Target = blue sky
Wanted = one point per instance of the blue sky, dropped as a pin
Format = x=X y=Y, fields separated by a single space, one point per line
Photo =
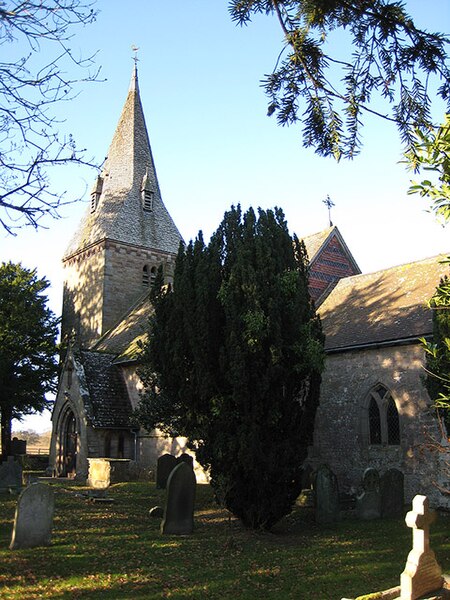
x=199 y=76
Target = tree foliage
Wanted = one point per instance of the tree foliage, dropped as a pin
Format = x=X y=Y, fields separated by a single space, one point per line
x=438 y=352
x=431 y=153
x=36 y=58
x=28 y=353
x=233 y=362
x=389 y=61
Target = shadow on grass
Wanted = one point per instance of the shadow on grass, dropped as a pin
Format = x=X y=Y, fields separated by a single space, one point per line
x=115 y=551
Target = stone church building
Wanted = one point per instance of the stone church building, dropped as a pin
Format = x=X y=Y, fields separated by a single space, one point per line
x=374 y=410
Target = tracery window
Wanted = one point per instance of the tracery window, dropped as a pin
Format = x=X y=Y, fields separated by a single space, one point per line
x=383 y=418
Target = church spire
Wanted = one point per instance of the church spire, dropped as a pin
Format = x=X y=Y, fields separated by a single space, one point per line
x=121 y=212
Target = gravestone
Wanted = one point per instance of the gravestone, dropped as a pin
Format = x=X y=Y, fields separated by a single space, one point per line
x=368 y=504
x=164 y=467
x=10 y=475
x=99 y=474
x=187 y=458
x=33 y=521
x=422 y=574
x=179 y=510
x=392 y=493
x=327 y=495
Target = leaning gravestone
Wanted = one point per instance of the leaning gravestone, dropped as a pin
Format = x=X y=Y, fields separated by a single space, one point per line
x=33 y=522
x=368 y=504
x=10 y=475
x=179 y=511
x=422 y=574
x=392 y=493
x=327 y=495
x=164 y=467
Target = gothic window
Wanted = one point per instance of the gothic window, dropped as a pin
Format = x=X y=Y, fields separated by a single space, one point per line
x=392 y=423
x=145 y=276
x=152 y=275
x=374 y=422
x=383 y=418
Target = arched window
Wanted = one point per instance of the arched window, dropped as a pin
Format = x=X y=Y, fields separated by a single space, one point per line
x=383 y=418
x=374 y=422
x=153 y=272
x=392 y=422
x=145 y=276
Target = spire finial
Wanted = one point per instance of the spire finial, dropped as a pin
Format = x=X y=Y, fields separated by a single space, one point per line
x=329 y=204
x=134 y=78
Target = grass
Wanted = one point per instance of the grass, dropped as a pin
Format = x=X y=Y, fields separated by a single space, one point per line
x=115 y=551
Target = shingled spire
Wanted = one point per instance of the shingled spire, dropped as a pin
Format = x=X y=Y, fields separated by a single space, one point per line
x=123 y=211
x=125 y=236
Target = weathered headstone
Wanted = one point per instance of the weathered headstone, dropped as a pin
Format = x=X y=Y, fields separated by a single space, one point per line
x=327 y=495
x=33 y=522
x=422 y=574
x=368 y=504
x=179 y=510
x=10 y=475
x=392 y=493
x=164 y=467
x=99 y=474
x=187 y=458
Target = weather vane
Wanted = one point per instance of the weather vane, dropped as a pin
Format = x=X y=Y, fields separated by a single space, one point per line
x=329 y=204
x=135 y=50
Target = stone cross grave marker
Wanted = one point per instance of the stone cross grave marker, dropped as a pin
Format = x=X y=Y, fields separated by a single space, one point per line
x=33 y=521
x=164 y=467
x=422 y=573
x=179 y=511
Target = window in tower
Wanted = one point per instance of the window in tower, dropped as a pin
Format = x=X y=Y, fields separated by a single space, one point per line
x=145 y=276
x=148 y=200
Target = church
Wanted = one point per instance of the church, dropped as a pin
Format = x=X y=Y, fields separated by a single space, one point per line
x=374 y=410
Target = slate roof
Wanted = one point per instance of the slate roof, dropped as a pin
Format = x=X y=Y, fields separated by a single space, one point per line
x=103 y=390
x=129 y=166
x=384 y=307
x=122 y=339
x=317 y=242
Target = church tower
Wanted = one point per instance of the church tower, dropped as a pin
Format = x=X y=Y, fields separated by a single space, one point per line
x=124 y=236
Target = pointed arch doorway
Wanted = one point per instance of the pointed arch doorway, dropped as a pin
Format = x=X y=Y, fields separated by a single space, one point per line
x=68 y=445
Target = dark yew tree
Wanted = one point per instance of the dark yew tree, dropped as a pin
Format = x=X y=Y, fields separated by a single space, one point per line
x=28 y=352
x=233 y=362
x=388 y=61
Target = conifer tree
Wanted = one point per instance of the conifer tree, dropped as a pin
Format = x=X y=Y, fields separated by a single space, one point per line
x=28 y=352
x=233 y=362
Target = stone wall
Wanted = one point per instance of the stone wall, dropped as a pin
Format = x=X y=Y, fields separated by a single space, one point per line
x=341 y=437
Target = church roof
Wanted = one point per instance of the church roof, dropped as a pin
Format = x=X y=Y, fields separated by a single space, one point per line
x=317 y=242
x=122 y=339
x=118 y=210
x=105 y=395
x=384 y=307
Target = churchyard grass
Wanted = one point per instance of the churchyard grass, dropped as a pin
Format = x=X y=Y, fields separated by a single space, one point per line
x=115 y=551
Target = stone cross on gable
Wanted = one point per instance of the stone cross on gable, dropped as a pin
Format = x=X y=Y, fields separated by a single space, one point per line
x=422 y=573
